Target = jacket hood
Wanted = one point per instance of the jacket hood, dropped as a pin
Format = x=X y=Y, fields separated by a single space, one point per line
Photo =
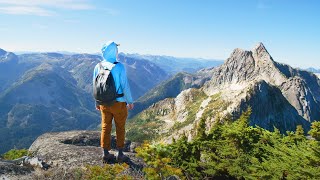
x=110 y=52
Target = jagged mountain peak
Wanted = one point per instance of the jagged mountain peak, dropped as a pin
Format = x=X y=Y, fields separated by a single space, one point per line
x=239 y=53
x=244 y=66
x=298 y=89
x=260 y=53
x=260 y=48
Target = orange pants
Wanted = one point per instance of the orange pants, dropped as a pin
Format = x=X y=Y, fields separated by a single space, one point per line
x=119 y=112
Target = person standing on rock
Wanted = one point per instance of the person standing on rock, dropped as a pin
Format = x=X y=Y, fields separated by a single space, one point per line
x=113 y=99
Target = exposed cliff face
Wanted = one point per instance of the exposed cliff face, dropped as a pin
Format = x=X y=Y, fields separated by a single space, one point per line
x=299 y=88
x=270 y=108
x=300 y=95
x=279 y=95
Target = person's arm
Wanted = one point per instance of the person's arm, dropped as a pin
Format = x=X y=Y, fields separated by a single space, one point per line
x=95 y=73
x=126 y=88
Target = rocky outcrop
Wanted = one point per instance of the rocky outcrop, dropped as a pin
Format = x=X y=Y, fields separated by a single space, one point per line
x=270 y=108
x=301 y=89
x=245 y=66
x=59 y=155
x=9 y=170
x=300 y=96
x=71 y=148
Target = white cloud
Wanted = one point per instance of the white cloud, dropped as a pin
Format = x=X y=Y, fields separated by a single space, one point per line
x=67 y=4
x=26 y=10
x=41 y=7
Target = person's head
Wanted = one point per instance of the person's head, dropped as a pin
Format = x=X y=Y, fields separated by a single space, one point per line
x=110 y=51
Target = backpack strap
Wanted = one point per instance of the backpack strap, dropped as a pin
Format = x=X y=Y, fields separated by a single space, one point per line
x=101 y=67
x=118 y=95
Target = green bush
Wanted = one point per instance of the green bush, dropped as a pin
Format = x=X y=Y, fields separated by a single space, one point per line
x=159 y=166
x=315 y=130
x=235 y=150
x=15 y=153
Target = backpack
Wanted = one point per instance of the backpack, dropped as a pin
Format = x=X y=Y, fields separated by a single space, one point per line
x=104 y=89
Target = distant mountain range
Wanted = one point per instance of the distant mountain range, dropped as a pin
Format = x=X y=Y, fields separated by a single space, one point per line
x=45 y=92
x=173 y=65
x=48 y=92
x=314 y=70
x=280 y=97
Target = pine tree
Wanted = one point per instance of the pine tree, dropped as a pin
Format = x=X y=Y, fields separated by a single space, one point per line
x=201 y=129
x=299 y=134
x=315 y=130
x=235 y=150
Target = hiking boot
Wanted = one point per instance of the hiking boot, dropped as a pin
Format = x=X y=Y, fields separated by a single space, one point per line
x=123 y=158
x=109 y=159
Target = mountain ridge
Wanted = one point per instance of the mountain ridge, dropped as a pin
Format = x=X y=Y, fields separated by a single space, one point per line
x=173 y=65
x=52 y=92
x=246 y=79
x=44 y=92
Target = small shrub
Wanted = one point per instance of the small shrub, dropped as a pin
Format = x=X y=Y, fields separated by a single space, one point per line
x=107 y=172
x=158 y=164
x=15 y=154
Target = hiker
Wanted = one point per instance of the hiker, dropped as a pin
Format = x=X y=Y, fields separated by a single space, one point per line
x=117 y=107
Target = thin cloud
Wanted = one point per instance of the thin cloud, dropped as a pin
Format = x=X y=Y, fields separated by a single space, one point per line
x=42 y=7
x=26 y=10
x=66 y=4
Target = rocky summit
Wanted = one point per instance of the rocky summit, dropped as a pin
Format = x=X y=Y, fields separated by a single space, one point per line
x=280 y=97
x=59 y=155
x=296 y=89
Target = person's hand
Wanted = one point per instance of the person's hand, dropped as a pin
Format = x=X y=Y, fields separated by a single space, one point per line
x=130 y=106
x=98 y=107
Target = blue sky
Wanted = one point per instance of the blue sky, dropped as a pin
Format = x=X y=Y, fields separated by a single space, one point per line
x=290 y=29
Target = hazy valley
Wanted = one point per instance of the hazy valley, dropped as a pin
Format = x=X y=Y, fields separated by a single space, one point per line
x=49 y=92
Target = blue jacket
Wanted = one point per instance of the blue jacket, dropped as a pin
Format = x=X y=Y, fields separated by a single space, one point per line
x=109 y=56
